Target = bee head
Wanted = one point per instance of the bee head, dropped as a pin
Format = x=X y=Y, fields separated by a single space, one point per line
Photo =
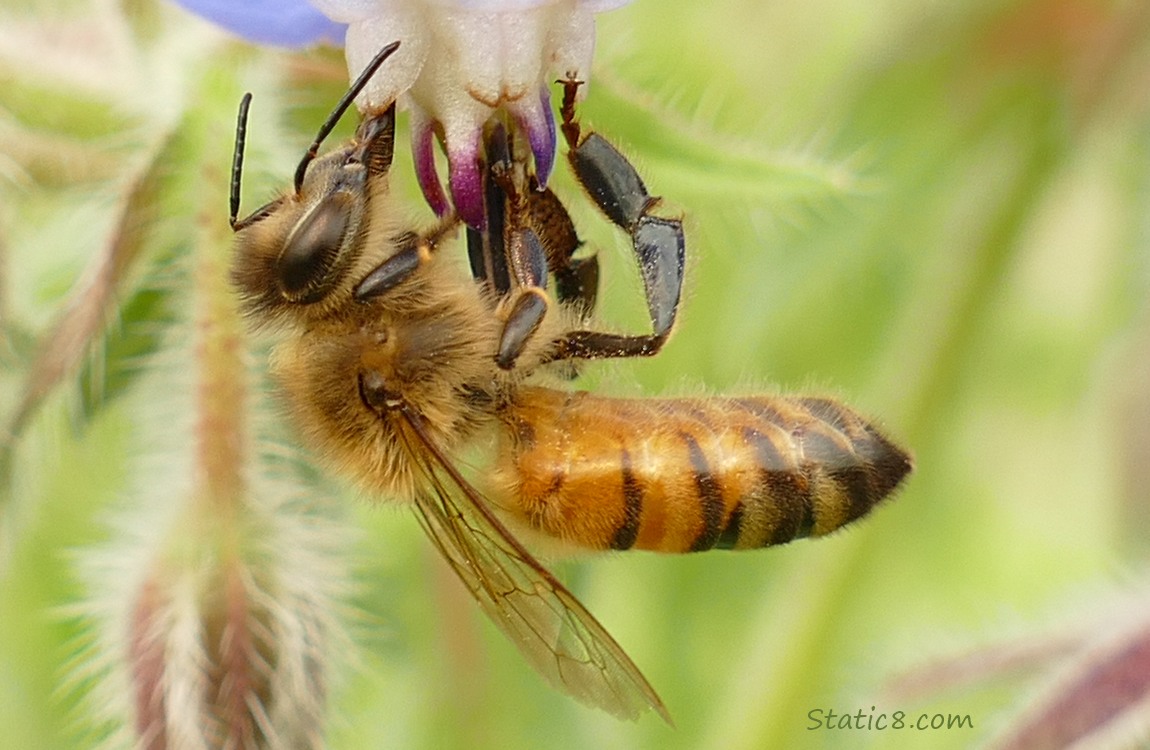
x=298 y=249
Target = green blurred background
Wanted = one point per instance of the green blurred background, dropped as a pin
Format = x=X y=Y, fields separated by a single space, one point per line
x=935 y=211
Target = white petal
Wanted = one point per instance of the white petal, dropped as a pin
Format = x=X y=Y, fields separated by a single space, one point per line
x=572 y=43
x=524 y=36
x=499 y=56
x=440 y=91
x=348 y=11
x=496 y=6
x=399 y=72
x=598 y=6
x=491 y=6
x=469 y=44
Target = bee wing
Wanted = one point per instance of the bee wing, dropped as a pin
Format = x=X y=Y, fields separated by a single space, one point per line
x=558 y=636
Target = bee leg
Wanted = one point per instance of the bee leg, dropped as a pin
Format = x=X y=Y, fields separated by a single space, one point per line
x=527 y=312
x=395 y=270
x=527 y=260
x=485 y=250
x=504 y=257
x=576 y=279
x=375 y=139
x=570 y=126
x=538 y=239
x=414 y=251
x=577 y=284
x=658 y=242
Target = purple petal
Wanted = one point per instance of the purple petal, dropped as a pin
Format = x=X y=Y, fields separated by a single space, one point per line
x=283 y=23
x=535 y=119
x=423 y=154
x=466 y=180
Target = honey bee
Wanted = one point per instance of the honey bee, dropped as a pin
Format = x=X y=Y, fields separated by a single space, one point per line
x=393 y=362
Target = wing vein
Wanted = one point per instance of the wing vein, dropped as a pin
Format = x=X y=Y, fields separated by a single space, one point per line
x=557 y=635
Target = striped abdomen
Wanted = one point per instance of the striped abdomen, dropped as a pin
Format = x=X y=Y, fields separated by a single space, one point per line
x=680 y=475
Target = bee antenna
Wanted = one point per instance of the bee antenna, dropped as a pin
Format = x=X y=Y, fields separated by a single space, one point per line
x=340 y=108
x=238 y=158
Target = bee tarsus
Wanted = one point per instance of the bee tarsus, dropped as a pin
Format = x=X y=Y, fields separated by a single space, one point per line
x=658 y=242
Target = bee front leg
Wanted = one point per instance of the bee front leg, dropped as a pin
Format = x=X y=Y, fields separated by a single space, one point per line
x=506 y=256
x=526 y=260
x=658 y=242
x=414 y=252
x=485 y=249
x=536 y=239
x=541 y=239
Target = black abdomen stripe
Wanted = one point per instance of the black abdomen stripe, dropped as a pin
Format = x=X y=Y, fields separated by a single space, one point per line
x=710 y=496
x=628 y=532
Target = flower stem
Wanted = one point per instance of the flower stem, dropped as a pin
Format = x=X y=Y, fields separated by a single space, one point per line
x=221 y=393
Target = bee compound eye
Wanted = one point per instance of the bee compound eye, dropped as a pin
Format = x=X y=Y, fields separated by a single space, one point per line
x=315 y=254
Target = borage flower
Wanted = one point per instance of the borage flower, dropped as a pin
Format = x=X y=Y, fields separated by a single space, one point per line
x=460 y=64
x=287 y=23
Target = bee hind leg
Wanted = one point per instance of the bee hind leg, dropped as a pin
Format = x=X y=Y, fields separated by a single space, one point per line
x=658 y=242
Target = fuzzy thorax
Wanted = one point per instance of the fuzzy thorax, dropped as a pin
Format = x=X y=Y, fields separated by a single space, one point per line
x=428 y=349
